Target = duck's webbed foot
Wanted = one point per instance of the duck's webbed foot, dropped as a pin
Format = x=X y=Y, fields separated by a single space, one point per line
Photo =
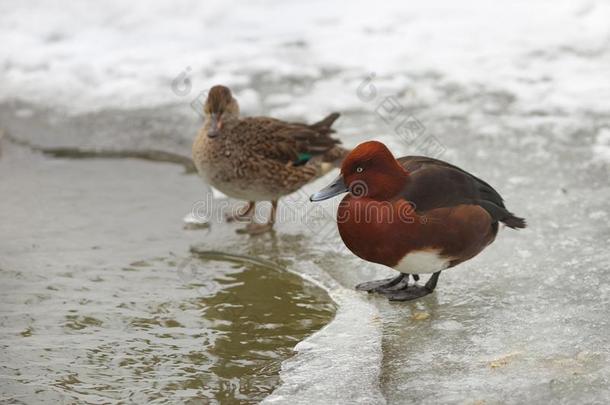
x=379 y=286
x=411 y=292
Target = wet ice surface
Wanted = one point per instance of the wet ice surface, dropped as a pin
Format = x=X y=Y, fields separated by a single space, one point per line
x=526 y=319
x=517 y=95
x=102 y=300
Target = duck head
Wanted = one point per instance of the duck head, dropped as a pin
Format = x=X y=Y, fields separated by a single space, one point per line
x=219 y=108
x=370 y=171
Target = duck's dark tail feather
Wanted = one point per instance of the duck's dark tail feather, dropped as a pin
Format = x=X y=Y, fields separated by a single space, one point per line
x=513 y=221
x=501 y=214
x=326 y=122
x=499 y=211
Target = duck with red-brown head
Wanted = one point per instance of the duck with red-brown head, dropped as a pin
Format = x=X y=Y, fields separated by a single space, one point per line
x=370 y=171
x=413 y=214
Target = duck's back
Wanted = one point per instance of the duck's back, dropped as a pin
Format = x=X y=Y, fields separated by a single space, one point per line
x=437 y=184
x=261 y=158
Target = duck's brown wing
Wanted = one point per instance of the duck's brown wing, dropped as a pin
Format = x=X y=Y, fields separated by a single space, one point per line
x=437 y=184
x=288 y=142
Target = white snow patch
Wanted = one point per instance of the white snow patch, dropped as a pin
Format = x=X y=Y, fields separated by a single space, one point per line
x=448 y=325
x=598 y=215
x=601 y=147
x=88 y=55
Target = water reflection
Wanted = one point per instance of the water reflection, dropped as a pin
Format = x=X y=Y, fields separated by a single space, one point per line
x=259 y=314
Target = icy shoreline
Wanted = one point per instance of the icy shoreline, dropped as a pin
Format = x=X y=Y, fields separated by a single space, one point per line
x=341 y=363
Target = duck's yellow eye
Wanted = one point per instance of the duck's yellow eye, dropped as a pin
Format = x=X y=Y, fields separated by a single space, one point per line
x=359 y=169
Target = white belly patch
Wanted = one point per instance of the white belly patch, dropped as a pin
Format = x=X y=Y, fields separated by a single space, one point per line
x=423 y=261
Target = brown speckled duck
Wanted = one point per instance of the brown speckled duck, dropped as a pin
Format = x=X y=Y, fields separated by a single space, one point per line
x=260 y=158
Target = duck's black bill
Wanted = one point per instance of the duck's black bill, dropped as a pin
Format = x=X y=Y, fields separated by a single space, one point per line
x=214 y=130
x=335 y=188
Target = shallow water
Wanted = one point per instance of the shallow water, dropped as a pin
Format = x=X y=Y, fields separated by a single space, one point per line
x=103 y=301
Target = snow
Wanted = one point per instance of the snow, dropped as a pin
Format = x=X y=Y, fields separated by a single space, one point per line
x=601 y=148
x=85 y=56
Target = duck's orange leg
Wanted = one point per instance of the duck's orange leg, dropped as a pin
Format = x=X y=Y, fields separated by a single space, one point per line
x=244 y=213
x=256 y=229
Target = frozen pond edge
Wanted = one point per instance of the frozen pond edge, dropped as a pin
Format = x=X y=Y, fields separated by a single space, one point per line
x=340 y=363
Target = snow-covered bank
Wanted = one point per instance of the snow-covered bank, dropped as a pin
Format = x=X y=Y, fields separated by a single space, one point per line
x=89 y=55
